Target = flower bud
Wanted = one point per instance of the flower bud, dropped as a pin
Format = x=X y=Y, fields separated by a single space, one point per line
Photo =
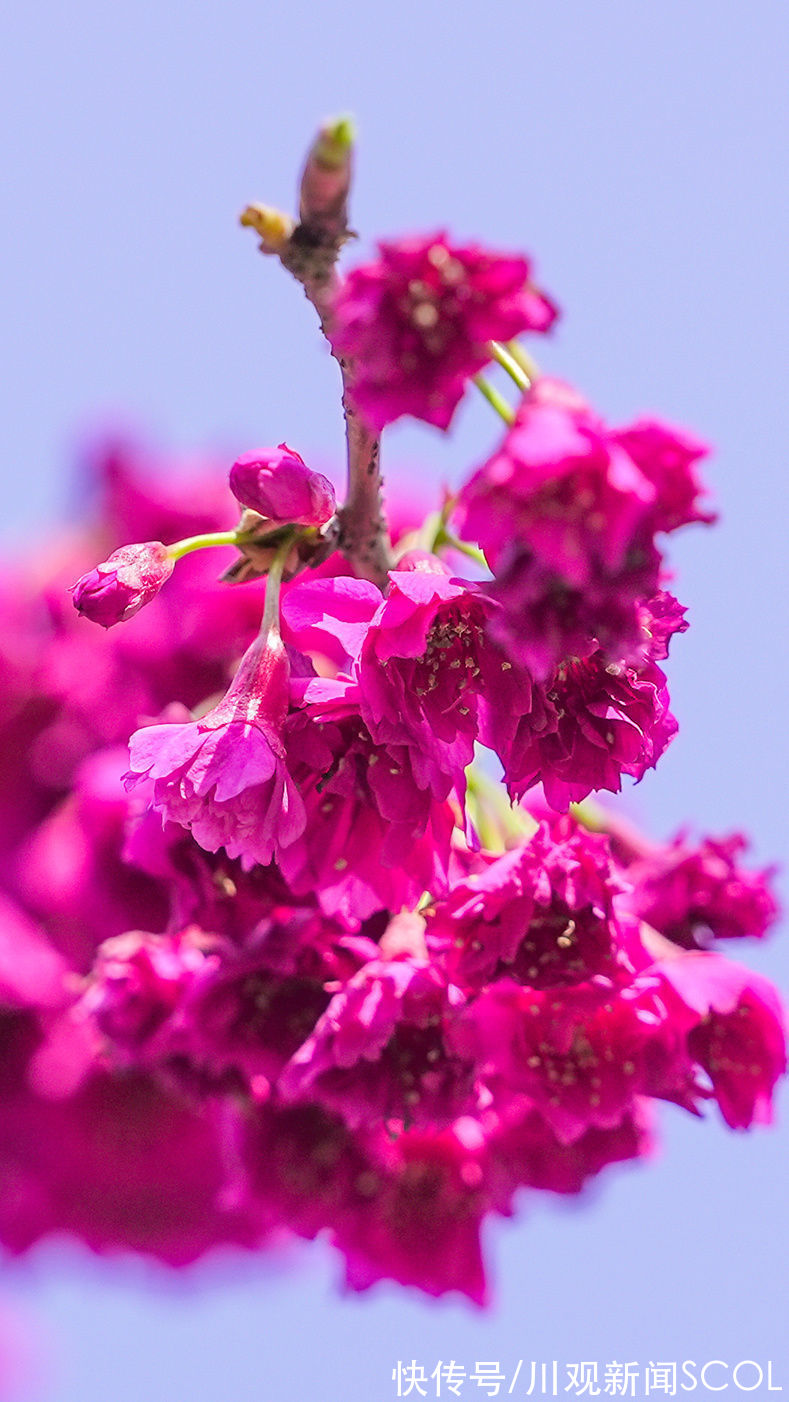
x=118 y=588
x=326 y=182
x=277 y=483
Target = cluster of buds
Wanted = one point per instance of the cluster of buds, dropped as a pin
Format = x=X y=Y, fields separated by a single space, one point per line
x=292 y=962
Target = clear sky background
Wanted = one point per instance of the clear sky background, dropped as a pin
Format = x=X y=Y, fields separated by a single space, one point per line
x=639 y=151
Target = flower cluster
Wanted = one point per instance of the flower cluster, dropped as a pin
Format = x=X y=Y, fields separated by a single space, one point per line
x=567 y=511
x=418 y=323
x=291 y=963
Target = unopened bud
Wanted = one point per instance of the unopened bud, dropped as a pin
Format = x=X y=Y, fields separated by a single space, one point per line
x=333 y=145
x=326 y=182
x=116 y=589
x=277 y=483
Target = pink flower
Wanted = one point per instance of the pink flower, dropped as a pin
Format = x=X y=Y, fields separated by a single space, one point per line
x=690 y=892
x=119 y=1164
x=209 y=889
x=72 y=871
x=729 y=1022
x=600 y=721
x=416 y=324
x=303 y=1166
x=578 y=495
x=431 y=678
x=544 y=913
x=329 y=617
x=407 y=1209
x=667 y=457
x=378 y=1052
x=576 y=1054
x=556 y=486
x=136 y=984
x=524 y=1151
x=661 y=617
x=567 y=511
x=118 y=588
x=277 y=483
x=420 y=1223
x=224 y=777
x=541 y=622
x=373 y=839
x=249 y=1010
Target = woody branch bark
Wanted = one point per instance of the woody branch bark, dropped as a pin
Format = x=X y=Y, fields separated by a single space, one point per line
x=309 y=249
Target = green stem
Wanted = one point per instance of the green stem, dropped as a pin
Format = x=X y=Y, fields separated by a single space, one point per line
x=202 y=542
x=489 y=833
x=495 y=399
x=514 y=369
x=434 y=533
x=273 y=582
x=590 y=815
x=524 y=360
x=497 y=821
x=464 y=547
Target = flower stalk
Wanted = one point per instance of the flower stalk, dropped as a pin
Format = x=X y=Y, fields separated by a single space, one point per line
x=513 y=366
x=207 y=541
x=496 y=400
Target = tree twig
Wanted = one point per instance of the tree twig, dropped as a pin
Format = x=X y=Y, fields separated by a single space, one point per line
x=309 y=250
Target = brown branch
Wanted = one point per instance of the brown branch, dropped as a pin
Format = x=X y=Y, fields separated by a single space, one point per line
x=364 y=535
x=310 y=251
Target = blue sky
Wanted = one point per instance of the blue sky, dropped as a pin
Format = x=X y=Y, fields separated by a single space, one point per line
x=639 y=152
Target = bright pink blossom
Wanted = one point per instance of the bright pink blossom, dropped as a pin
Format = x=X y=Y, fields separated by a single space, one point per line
x=429 y=676
x=329 y=617
x=249 y=1010
x=211 y=890
x=373 y=839
x=692 y=893
x=727 y=1021
x=224 y=777
x=72 y=871
x=408 y=1208
x=524 y=1151
x=120 y=1164
x=567 y=512
x=576 y=494
x=416 y=324
x=137 y=982
x=302 y=1165
x=420 y=1223
x=576 y=1054
x=379 y=1053
x=118 y=588
x=541 y=622
x=277 y=483
x=544 y=913
x=601 y=721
